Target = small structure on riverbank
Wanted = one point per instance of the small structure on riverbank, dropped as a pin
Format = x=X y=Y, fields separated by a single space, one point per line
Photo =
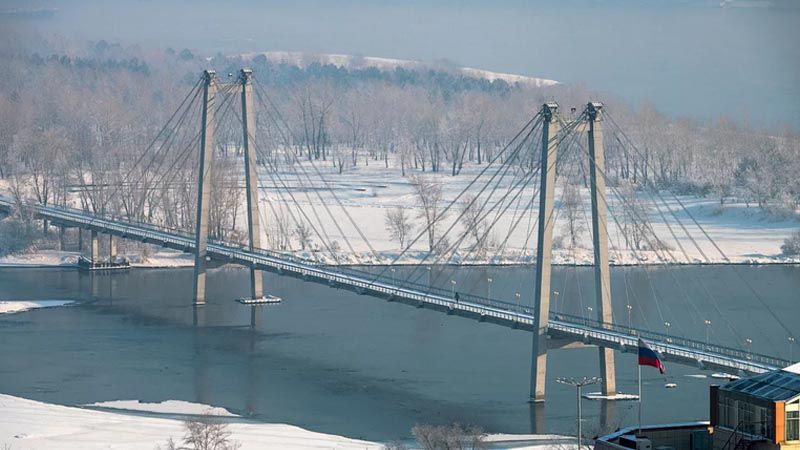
x=761 y=412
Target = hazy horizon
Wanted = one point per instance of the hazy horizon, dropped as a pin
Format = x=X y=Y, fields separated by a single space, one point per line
x=688 y=58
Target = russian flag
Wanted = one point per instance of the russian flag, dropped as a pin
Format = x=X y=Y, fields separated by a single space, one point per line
x=647 y=357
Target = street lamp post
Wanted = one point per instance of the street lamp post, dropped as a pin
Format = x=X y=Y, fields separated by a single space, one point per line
x=519 y=302
x=555 y=301
x=589 y=316
x=429 y=276
x=791 y=348
x=453 y=283
x=393 y=282
x=630 y=310
x=708 y=330
x=489 y=288
x=667 y=325
x=579 y=384
x=749 y=348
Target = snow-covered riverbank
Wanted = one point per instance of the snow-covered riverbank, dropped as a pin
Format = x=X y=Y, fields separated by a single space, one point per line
x=28 y=424
x=692 y=230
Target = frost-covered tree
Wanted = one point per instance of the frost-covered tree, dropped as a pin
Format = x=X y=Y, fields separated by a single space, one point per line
x=399 y=225
x=429 y=198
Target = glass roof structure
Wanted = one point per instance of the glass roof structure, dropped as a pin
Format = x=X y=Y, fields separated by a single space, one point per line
x=780 y=385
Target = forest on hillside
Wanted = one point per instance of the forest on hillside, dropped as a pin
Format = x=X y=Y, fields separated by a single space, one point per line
x=78 y=116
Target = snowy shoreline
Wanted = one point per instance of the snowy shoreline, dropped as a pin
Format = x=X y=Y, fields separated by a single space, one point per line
x=172 y=260
x=17 y=306
x=133 y=425
x=29 y=424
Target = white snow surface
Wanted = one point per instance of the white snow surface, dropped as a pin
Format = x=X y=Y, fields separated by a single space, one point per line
x=27 y=424
x=166 y=258
x=303 y=59
x=794 y=368
x=165 y=407
x=617 y=396
x=10 y=307
x=41 y=258
x=693 y=229
x=731 y=233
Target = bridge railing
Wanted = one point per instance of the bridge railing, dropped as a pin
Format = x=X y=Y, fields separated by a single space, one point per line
x=402 y=283
x=668 y=340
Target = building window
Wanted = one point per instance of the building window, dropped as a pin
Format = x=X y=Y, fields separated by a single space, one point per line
x=792 y=425
x=746 y=413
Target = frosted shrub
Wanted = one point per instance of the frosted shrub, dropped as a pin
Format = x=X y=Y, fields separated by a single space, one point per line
x=206 y=432
x=791 y=246
x=455 y=437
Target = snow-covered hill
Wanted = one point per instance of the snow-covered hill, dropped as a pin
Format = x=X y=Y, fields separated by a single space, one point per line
x=303 y=59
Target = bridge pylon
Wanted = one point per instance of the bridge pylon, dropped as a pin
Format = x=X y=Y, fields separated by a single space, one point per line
x=550 y=140
x=204 y=186
x=251 y=180
x=602 y=279
x=544 y=250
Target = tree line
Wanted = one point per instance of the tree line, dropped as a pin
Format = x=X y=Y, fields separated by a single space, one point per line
x=75 y=122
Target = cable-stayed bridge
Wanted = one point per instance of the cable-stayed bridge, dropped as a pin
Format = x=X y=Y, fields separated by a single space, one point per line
x=543 y=149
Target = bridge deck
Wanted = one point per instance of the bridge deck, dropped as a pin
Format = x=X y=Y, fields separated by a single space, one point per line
x=561 y=326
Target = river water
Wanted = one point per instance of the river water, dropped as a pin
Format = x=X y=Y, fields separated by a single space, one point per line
x=336 y=362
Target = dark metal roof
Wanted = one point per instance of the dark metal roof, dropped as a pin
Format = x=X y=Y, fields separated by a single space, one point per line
x=775 y=386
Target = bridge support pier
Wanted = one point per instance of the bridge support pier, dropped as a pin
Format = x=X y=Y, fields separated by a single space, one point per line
x=251 y=181
x=204 y=187
x=544 y=251
x=61 y=238
x=95 y=248
x=112 y=248
x=602 y=279
x=80 y=240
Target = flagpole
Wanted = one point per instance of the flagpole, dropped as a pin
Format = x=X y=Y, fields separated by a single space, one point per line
x=640 y=400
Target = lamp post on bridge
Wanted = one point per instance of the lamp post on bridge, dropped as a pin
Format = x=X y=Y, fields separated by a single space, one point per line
x=579 y=384
x=667 y=325
x=393 y=282
x=555 y=301
x=429 y=275
x=749 y=343
x=791 y=349
x=519 y=302
x=489 y=287
x=630 y=310
x=589 y=315
x=708 y=330
x=453 y=283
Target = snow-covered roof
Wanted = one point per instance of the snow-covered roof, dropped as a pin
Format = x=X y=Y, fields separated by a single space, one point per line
x=794 y=368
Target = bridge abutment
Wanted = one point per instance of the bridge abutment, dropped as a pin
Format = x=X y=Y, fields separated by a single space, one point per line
x=62 y=241
x=112 y=248
x=94 y=253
